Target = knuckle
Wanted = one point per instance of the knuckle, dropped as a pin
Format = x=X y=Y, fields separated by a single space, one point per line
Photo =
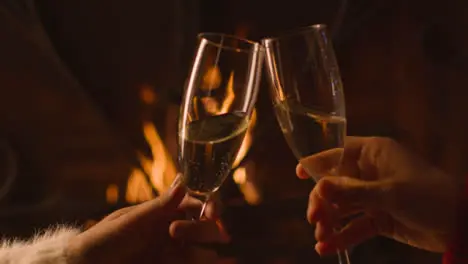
x=383 y=141
x=310 y=214
x=312 y=193
x=324 y=187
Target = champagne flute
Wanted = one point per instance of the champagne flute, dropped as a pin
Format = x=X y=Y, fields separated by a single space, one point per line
x=218 y=101
x=307 y=94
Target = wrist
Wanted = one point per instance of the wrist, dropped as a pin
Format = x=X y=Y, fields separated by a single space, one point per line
x=72 y=251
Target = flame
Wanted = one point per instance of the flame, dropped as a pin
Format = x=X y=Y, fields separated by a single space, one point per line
x=246 y=186
x=195 y=109
x=242 y=175
x=323 y=124
x=147 y=94
x=211 y=79
x=112 y=194
x=161 y=169
x=230 y=96
x=248 y=140
x=211 y=105
x=138 y=189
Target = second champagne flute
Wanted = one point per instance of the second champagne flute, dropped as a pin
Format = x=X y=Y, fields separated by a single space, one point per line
x=218 y=101
x=307 y=94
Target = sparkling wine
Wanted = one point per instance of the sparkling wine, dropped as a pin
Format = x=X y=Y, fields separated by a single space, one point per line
x=309 y=132
x=209 y=147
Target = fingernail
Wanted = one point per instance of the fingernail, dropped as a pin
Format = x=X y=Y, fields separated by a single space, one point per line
x=317 y=249
x=177 y=232
x=176 y=181
x=313 y=216
x=324 y=249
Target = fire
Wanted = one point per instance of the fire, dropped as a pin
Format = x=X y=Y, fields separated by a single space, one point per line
x=242 y=175
x=112 y=194
x=161 y=169
x=230 y=96
x=138 y=189
x=210 y=104
x=246 y=186
x=324 y=125
x=147 y=94
x=211 y=79
x=248 y=140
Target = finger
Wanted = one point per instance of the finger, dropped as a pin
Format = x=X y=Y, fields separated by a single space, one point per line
x=354 y=233
x=213 y=209
x=320 y=209
x=346 y=214
x=119 y=213
x=351 y=192
x=171 y=199
x=189 y=202
x=301 y=172
x=167 y=204
x=320 y=164
x=349 y=163
x=122 y=211
x=192 y=207
x=323 y=231
x=327 y=162
x=205 y=231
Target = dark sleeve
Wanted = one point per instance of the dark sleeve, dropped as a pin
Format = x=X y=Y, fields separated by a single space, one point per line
x=457 y=252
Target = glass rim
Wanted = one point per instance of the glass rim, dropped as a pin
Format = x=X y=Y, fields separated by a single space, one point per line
x=204 y=36
x=295 y=32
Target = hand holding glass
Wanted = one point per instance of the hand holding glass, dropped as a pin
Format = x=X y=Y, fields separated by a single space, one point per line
x=307 y=94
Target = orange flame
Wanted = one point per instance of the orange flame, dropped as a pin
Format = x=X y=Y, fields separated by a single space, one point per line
x=248 y=140
x=211 y=79
x=138 y=189
x=324 y=125
x=210 y=104
x=112 y=194
x=161 y=169
x=230 y=96
x=148 y=95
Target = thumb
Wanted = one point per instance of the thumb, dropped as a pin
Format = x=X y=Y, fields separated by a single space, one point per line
x=171 y=199
x=166 y=203
x=346 y=191
x=174 y=196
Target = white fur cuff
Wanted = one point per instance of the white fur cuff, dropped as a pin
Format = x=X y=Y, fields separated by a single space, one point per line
x=45 y=248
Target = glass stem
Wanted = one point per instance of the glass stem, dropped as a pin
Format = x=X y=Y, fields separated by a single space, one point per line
x=204 y=200
x=202 y=212
x=343 y=257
